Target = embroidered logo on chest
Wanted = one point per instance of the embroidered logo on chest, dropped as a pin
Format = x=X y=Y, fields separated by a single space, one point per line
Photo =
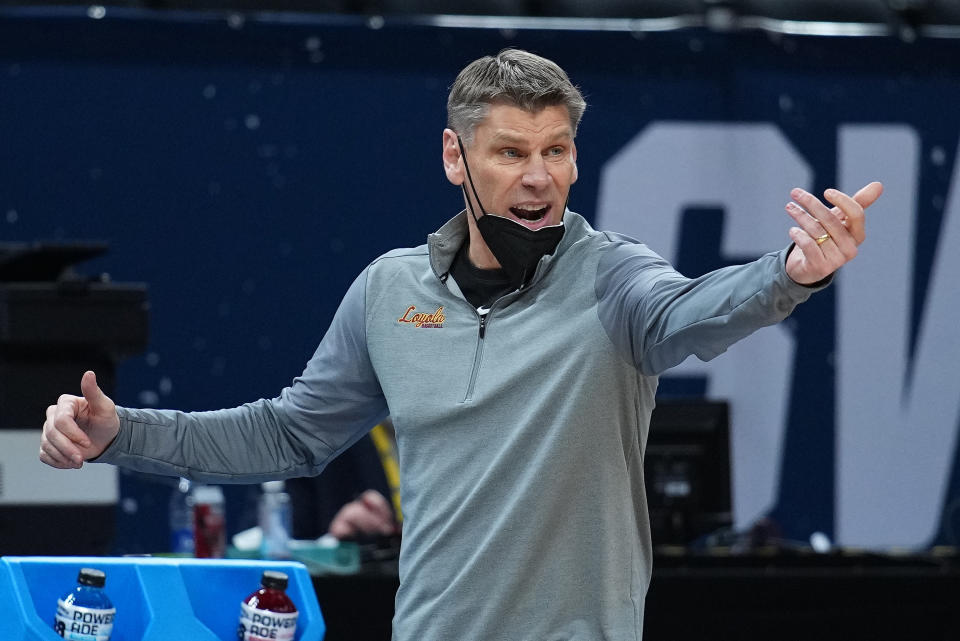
x=420 y=319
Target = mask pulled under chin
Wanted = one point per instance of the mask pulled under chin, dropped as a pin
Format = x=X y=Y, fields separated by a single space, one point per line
x=518 y=249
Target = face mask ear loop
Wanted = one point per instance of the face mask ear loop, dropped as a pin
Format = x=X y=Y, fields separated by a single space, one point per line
x=463 y=156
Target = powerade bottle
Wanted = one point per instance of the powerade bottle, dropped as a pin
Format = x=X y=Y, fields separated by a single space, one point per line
x=86 y=613
x=268 y=614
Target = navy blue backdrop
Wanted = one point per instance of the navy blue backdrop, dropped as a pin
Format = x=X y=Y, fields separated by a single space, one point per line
x=247 y=169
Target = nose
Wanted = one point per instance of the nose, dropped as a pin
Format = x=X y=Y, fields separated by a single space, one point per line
x=535 y=174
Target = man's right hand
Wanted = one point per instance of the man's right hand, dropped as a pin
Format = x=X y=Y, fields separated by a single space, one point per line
x=79 y=427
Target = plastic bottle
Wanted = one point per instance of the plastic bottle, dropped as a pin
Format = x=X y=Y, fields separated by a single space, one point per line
x=268 y=613
x=86 y=613
x=181 y=519
x=276 y=520
x=210 y=533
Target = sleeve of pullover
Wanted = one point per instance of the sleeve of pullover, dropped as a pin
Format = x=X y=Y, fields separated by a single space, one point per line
x=659 y=317
x=330 y=406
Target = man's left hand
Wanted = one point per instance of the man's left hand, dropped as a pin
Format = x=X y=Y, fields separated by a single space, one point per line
x=827 y=238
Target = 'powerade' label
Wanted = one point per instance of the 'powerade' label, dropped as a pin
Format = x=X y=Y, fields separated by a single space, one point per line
x=261 y=625
x=83 y=624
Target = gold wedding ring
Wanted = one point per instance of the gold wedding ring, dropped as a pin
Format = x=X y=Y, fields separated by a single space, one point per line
x=822 y=239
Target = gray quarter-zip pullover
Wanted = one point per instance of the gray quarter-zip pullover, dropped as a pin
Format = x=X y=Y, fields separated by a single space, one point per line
x=520 y=431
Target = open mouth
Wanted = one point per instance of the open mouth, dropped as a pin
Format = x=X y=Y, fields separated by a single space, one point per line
x=531 y=213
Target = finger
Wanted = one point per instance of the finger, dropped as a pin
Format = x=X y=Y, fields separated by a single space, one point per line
x=367 y=520
x=96 y=399
x=380 y=507
x=803 y=240
x=869 y=194
x=810 y=264
x=377 y=504
x=60 y=460
x=50 y=458
x=55 y=457
x=810 y=203
x=847 y=227
x=61 y=442
x=56 y=441
x=64 y=420
x=865 y=197
x=344 y=524
x=358 y=519
x=341 y=528
x=805 y=221
x=54 y=461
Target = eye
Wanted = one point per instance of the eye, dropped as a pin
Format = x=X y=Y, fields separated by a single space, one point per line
x=556 y=152
x=510 y=153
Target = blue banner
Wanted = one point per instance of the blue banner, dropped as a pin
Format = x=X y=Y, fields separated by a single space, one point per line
x=248 y=167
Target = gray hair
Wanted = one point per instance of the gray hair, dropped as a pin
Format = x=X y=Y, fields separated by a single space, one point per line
x=513 y=77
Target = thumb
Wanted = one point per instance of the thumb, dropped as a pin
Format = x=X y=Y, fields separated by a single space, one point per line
x=96 y=399
x=869 y=194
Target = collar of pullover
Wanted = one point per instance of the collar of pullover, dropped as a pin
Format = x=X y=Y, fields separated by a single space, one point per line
x=446 y=241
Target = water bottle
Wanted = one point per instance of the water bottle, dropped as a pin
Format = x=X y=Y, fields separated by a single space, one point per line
x=86 y=613
x=268 y=613
x=276 y=520
x=181 y=519
x=210 y=532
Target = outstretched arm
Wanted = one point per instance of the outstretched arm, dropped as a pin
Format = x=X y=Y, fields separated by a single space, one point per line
x=660 y=317
x=324 y=411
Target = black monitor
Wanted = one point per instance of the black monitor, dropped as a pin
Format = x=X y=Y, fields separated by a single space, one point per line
x=687 y=470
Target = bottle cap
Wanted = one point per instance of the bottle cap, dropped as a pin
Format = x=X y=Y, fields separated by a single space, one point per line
x=208 y=494
x=273 y=486
x=91 y=577
x=275 y=580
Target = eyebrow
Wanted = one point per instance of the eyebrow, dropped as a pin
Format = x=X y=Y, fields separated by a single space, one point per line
x=508 y=138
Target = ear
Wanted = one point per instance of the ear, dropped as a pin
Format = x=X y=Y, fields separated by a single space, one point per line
x=573 y=154
x=452 y=162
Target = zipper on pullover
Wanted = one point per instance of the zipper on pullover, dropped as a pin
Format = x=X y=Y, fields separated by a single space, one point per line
x=482 y=313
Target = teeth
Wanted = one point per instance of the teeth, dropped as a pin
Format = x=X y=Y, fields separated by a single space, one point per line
x=530 y=212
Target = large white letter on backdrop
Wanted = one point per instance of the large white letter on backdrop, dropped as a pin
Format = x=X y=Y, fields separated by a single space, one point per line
x=897 y=412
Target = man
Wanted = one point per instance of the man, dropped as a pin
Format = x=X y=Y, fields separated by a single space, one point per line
x=518 y=353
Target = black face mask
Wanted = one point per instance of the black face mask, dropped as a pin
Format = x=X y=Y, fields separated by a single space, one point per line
x=517 y=248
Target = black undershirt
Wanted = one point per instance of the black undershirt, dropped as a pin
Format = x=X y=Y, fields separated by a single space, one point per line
x=479 y=286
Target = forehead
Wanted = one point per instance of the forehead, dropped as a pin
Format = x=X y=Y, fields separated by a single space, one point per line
x=511 y=122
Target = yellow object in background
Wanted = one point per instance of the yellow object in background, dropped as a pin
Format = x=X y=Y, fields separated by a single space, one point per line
x=385 y=442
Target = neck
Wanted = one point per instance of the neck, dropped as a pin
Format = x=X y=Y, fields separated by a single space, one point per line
x=479 y=254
